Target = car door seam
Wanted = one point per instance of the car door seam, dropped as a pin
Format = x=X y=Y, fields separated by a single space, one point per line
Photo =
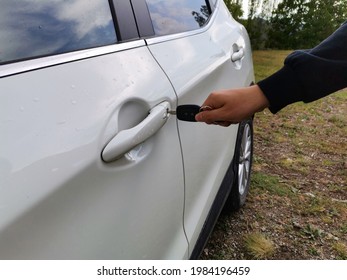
x=182 y=156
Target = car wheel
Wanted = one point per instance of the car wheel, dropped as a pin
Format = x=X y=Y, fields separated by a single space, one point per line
x=242 y=164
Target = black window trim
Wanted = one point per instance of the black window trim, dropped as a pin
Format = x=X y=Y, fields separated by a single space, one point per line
x=124 y=20
x=143 y=18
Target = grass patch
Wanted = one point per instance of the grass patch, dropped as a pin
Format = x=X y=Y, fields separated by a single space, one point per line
x=312 y=232
x=315 y=207
x=267 y=62
x=258 y=246
x=269 y=183
x=343 y=229
x=341 y=250
x=300 y=163
x=338 y=121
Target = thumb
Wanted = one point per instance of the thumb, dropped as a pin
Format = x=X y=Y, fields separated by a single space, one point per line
x=208 y=116
x=199 y=117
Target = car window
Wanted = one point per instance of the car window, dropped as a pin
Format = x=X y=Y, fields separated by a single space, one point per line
x=170 y=17
x=33 y=28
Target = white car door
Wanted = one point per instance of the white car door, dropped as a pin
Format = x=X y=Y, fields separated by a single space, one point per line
x=215 y=55
x=90 y=164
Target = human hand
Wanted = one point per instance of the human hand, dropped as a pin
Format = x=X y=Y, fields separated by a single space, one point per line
x=232 y=106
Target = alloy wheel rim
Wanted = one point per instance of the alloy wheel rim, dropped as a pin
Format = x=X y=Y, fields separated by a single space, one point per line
x=245 y=159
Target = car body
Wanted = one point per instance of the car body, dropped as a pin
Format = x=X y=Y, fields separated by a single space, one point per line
x=92 y=166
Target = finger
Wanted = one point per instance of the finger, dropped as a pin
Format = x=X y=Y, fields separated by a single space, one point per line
x=201 y=117
x=209 y=116
x=213 y=100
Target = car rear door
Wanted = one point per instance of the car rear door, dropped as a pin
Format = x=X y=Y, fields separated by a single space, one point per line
x=201 y=49
x=90 y=163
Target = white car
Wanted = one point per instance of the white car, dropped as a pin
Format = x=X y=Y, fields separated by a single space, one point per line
x=92 y=165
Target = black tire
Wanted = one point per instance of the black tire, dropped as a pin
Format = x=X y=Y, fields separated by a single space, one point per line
x=242 y=165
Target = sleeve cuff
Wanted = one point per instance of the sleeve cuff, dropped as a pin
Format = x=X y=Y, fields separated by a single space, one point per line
x=281 y=89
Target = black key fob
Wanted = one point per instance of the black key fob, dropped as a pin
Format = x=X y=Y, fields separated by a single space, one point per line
x=187 y=112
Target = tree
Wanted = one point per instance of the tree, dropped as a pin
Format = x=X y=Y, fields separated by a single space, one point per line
x=322 y=19
x=286 y=22
x=201 y=18
x=304 y=23
x=257 y=21
x=235 y=8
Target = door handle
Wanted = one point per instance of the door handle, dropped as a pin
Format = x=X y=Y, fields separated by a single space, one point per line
x=128 y=139
x=238 y=55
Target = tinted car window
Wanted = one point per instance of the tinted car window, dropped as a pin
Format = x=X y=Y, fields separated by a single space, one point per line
x=177 y=16
x=31 y=28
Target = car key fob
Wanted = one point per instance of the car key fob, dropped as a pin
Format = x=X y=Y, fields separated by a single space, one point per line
x=187 y=112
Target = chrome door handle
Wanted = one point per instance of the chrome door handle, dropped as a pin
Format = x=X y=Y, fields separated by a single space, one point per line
x=128 y=139
x=238 y=55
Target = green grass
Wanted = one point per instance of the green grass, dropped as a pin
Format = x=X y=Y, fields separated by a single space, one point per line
x=268 y=62
x=341 y=250
x=270 y=184
x=308 y=147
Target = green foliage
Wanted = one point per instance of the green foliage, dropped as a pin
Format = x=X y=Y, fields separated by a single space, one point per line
x=292 y=24
x=235 y=8
x=304 y=24
x=258 y=29
x=312 y=232
x=270 y=184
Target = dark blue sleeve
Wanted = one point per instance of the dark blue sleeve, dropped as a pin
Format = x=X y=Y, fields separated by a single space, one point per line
x=309 y=74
